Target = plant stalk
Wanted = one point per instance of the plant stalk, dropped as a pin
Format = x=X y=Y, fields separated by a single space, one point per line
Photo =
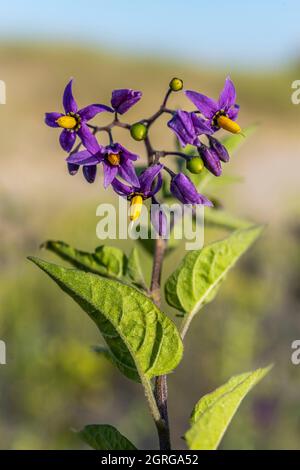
x=161 y=387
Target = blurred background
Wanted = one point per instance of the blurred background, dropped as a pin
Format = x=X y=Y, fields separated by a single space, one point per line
x=53 y=382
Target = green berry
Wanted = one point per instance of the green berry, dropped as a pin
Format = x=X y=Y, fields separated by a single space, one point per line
x=195 y=165
x=138 y=131
x=176 y=84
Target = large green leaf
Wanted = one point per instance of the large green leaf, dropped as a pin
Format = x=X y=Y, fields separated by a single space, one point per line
x=106 y=260
x=214 y=412
x=105 y=437
x=134 y=270
x=196 y=280
x=142 y=340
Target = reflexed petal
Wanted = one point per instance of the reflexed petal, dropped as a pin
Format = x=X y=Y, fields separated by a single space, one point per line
x=89 y=173
x=211 y=161
x=233 y=112
x=206 y=105
x=51 y=118
x=228 y=95
x=122 y=100
x=83 y=158
x=201 y=126
x=159 y=219
x=110 y=172
x=127 y=172
x=157 y=185
x=88 y=139
x=146 y=178
x=184 y=190
x=69 y=102
x=126 y=153
x=67 y=140
x=121 y=189
x=89 y=112
x=72 y=168
x=219 y=149
x=183 y=126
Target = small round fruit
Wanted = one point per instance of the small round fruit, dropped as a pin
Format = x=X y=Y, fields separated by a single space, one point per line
x=195 y=165
x=138 y=131
x=176 y=84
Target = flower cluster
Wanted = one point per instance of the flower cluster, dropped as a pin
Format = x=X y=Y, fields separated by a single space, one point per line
x=118 y=162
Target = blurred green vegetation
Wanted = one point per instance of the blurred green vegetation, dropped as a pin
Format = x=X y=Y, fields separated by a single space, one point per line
x=53 y=382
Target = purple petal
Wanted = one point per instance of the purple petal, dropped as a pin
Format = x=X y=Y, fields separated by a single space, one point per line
x=157 y=185
x=184 y=190
x=127 y=172
x=211 y=160
x=201 y=126
x=110 y=172
x=89 y=112
x=146 y=178
x=83 y=158
x=122 y=189
x=69 y=102
x=228 y=95
x=89 y=172
x=233 y=112
x=206 y=105
x=219 y=149
x=51 y=118
x=183 y=126
x=72 y=168
x=88 y=139
x=158 y=219
x=122 y=100
x=67 y=140
x=126 y=153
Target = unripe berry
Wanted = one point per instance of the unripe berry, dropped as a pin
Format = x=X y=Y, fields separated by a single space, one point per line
x=176 y=84
x=195 y=165
x=138 y=131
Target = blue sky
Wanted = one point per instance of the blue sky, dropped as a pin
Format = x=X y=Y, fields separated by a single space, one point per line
x=259 y=33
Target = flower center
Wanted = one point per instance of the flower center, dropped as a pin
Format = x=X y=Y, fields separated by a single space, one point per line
x=114 y=159
x=136 y=204
x=70 y=122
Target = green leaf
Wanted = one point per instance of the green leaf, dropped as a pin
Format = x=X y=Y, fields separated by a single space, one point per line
x=214 y=412
x=233 y=142
x=196 y=280
x=142 y=340
x=221 y=218
x=134 y=270
x=106 y=260
x=105 y=437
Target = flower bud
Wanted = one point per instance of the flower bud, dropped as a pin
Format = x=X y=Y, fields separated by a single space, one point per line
x=195 y=165
x=176 y=84
x=138 y=131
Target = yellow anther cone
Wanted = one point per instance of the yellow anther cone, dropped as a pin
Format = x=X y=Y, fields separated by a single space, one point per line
x=67 y=122
x=228 y=124
x=136 y=207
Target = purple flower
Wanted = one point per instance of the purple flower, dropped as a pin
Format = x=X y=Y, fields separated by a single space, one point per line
x=116 y=160
x=73 y=121
x=145 y=189
x=184 y=190
x=221 y=113
x=188 y=127
x=122 y=100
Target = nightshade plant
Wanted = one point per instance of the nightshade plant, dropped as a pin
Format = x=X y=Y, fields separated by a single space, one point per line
x=141 y=340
